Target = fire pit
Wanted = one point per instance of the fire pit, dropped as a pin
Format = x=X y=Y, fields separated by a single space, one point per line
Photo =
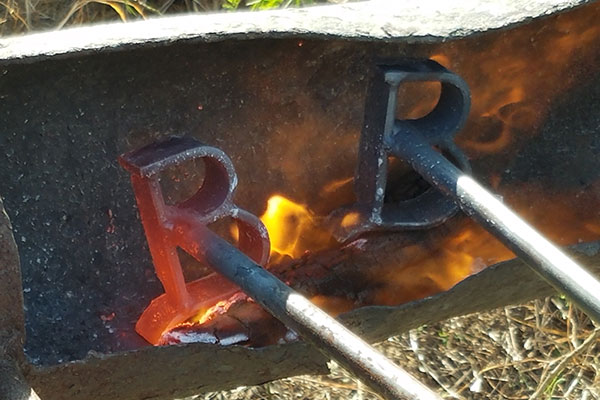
x=288 y=112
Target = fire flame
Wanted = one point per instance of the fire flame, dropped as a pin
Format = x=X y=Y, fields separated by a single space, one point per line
x=518 y=74
x=514 y=76
x=292 y=228
x=438 y=262
x=417 y=271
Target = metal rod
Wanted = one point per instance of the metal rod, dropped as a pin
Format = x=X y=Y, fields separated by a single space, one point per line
x=564 y=274
x=299 y=314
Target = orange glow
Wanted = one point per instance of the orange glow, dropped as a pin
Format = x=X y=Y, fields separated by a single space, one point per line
x=332 y=305
x=594 y=228
x=514 y=77
x=350 y=219
x=234 y=232
x=333 y=187
x=205 y=315
x=425 y=270
x=284 y=220
x=445 y=256
x=293 y=229
x=220 y=308
x=519 y=71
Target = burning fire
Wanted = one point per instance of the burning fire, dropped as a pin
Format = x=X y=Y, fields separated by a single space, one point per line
x=512 y=82
x=441 y=260
x=418 y=270
x=515 y=74
x=293 y=229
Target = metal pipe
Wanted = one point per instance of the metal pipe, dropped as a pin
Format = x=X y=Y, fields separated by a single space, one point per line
x=299 y=314
x=564 y=274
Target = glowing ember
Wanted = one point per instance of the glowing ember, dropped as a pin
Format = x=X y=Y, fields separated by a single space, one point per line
x=350 y=219
x=220 y=308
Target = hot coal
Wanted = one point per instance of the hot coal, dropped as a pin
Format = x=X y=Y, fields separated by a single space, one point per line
x=244 y=322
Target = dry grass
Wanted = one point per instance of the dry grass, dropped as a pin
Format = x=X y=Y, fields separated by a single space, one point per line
x=21 y=16
x=544 y=349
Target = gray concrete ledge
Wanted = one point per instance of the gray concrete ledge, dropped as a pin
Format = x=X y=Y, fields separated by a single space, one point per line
x=388 y=20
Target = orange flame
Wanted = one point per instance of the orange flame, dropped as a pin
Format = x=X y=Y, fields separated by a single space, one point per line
x=292 y=228
x=425 y=269
x=514 y=75
x=441 y=259
x=514 y=78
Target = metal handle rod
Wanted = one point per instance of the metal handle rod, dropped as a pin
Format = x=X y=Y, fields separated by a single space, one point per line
x=564 y=274
x=299 y=314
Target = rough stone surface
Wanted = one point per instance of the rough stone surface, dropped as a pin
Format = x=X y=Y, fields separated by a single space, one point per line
x=173 y=371
x=389 y=20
